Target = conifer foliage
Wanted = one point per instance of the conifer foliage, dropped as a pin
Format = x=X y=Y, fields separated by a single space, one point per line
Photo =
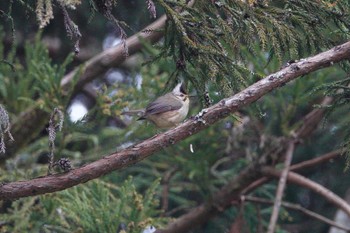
x=218 y=48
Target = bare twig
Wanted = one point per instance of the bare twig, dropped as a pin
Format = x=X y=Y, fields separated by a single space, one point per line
x=208 y=117
x=239 y=223
x=296 y=167
x=311 y=120
x=315 y=161
x=307 y=183
x=193 y=214
x=281 y=186
x=165 y=192
x=298 y=208
x=220 y=201
x=307 y=125
x=254 y=185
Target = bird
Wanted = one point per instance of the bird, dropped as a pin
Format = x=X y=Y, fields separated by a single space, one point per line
x=166 y=111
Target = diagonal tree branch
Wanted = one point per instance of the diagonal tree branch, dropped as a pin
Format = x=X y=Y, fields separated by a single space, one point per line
x=315 y=161
x=189 y=220
x=207 y=117
x=297 y=167
x=194 y=216
x=307 y=125
x=307 y=183
x=311 y=120
x=33 y=120
x=229 y=194
x=114 y=56
x=298 y=208
x=219 y=202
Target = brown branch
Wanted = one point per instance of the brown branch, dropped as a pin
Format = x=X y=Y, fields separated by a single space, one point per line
x=307 y=183
x=311 y=120
x=207 y=117
x=316 y=161
x=281 y=186
x=114 y=56
x=298 y=208
x=307 y=125
x=256 y=184
x=312 y=162
x=296 y=167
x=302 y=165
x=219 y=202
x=32 y=121
x=239 y=225
x=187 y=219
x=165 y=192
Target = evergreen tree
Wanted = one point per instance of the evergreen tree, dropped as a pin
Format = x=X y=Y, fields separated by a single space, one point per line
x=264 y=107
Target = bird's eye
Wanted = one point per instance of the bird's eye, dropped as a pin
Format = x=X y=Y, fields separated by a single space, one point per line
x=182 y=95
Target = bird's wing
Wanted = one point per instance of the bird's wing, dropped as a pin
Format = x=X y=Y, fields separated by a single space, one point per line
x=138 y=112
x=163 y=104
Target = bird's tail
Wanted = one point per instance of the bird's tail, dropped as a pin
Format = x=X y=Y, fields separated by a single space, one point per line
x=138 y=112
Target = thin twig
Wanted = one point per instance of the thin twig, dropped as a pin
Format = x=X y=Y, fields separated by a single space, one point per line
x=307 y=183
x=316 y=161
x=239 y=223
x=165 y=192
x=298 y=208
x=297 y=167
x=312 y=119
x=307 y=126
x=254 y=185
x=281 y=186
